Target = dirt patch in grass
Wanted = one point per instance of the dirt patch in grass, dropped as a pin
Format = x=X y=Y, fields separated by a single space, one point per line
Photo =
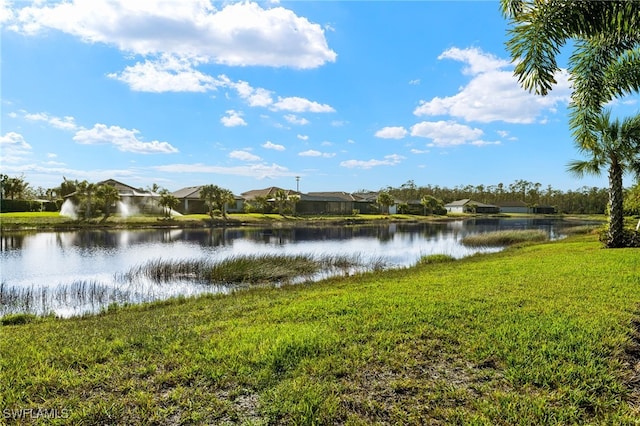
x=426 y=392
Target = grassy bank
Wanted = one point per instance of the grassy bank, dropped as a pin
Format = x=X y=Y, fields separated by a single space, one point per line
x=540 y=334
x=53 y=220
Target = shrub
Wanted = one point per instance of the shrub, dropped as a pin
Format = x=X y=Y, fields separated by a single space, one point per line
x=17 y=319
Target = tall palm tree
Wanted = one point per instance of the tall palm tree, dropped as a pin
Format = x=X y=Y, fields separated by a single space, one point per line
x=616 y=146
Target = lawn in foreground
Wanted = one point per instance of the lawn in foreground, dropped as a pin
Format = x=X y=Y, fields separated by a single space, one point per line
x=542 y=334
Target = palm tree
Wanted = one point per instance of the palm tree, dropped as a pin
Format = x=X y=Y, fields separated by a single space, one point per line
x=281 y=200
x=616 y=146
x=167 y=201
x=86 y=193
x=107 y=195
x=216 y=198
x=385 y=200
x=606 y=58
x=430 y=203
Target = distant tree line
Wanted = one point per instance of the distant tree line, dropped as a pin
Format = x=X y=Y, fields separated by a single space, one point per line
x=427 y=199
x=585 y=200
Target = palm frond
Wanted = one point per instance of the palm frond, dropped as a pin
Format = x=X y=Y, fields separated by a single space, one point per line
x=579 y=168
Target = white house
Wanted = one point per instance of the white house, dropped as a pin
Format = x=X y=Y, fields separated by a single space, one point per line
x=468 y=205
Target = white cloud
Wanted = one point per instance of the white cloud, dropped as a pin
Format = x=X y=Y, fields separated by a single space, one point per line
x=166 y=74
x=52 y=155
x=259 y=171
x=239 y=34
x=6 y=14
x=244 y=156
x=124 y=139
x=233 y=119
x=477 y=61
x=297 y=104
x=446 y=133
x=391 y=133
x=314 y=153
x=389 y=160
x=414 y=82
x=65 y=123
x=493 y=94
x=419 y=151
x=303 y=137
x=294 y=119
x=274 y=146
x=485 y=143
x=13 y=147
x=255 y=97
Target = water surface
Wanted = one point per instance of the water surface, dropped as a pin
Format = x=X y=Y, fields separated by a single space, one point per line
x=70 y=273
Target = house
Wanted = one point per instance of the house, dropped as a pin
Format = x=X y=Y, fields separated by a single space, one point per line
x=514 y=207
x=133 y=199
x=252 y=198
x=191 y=203
x=367 y=202
x=468 y=205
x=338 y=203
x=543 y=210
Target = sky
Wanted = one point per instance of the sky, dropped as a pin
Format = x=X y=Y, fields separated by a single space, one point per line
x=308 y=95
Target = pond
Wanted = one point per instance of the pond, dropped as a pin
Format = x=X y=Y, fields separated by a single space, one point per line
x=72 y=273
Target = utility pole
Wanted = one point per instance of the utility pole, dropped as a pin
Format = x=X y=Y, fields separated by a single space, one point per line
x=297 y=183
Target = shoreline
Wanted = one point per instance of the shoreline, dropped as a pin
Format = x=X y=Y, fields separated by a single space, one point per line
x=37 y=222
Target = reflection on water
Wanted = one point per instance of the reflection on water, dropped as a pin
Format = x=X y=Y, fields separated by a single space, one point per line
x=49 y=262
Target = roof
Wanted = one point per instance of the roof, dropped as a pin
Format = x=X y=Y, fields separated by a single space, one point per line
x=123 y=189
x=467 y=201
x=192 y=193
x=266 y=192
x=188 y=192
x=330 y=196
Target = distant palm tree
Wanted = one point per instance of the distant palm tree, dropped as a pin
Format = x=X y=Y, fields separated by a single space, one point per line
x=430 y=204
x=281 y=198
x=386 y=200
x=216 y=198
x=86 y=193
x=615 y=146
x=107 y=196
x=167 y=201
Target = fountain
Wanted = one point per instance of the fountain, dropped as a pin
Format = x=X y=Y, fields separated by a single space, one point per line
x=123 y=209
x=68 y=209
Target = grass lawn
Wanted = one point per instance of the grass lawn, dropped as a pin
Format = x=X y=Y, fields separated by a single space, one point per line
x=537 y=334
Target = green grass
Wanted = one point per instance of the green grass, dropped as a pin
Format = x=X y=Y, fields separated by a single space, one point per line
x=505 y=238
x=538 y=334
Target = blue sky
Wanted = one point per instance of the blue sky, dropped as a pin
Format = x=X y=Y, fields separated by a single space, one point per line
x=246 y=95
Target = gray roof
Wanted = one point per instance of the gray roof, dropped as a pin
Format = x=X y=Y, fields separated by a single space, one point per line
x=467 y=201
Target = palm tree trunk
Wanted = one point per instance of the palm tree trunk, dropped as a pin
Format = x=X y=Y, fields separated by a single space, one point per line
x=616 y=218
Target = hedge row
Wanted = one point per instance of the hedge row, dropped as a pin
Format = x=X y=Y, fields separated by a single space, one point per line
x=10 y=206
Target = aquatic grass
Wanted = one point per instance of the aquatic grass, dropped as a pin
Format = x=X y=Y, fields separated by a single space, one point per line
x=582 y=229
x=435 y=258
x=249 y=269
x=133 y=286
x=505 y=238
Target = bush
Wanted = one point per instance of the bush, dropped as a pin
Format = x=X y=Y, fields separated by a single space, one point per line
x=12 y=206
x=631 y=238
x=17 y=319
